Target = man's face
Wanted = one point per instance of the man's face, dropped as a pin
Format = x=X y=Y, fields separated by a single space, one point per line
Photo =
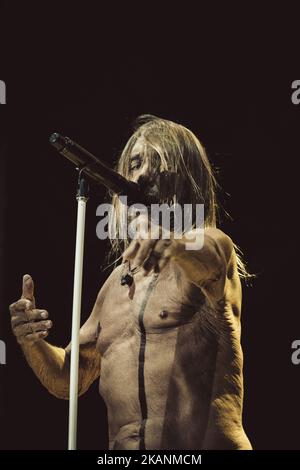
x=140 y=171
x=152 y=177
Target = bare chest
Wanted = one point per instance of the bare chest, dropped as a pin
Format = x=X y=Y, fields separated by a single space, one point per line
x=152 y=304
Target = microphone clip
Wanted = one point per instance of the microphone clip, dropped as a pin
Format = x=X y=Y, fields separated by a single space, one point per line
x=82 y=186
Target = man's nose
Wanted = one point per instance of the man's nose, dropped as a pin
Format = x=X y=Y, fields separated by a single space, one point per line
x=142 y=174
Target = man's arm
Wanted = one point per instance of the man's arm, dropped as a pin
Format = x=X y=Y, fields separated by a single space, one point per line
x=207 y=265
x=51 y=364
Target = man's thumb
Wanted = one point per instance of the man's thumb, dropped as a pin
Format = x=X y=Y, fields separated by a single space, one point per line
x=28 y=288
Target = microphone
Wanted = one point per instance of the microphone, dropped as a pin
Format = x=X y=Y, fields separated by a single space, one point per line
x=97 y=170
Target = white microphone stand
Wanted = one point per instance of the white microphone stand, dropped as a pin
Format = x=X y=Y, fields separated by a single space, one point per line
x=82 y=198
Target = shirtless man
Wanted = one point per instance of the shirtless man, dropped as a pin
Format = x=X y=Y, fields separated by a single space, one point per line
x=166 y=344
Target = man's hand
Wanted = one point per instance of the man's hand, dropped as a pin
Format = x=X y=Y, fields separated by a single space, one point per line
x=204 y=257
x=152 y=248
x=29 y=324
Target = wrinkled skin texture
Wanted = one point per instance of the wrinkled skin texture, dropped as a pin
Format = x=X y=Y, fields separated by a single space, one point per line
x=192 y=366
x=167 y=349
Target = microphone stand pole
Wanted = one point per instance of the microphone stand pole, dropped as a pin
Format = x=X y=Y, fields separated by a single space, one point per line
x=82 y=198
x=100 y=173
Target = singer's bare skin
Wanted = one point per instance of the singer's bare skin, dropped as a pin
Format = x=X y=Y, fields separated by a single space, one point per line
x=50 y=363
x=167 y=348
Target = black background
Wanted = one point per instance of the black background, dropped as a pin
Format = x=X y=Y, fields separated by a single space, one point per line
x=87 y=73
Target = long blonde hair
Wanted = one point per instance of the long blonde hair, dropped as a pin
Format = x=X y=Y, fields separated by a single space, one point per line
x=177 y=150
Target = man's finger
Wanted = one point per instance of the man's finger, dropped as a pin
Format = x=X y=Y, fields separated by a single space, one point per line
x=157 y=254
x=31 y=338
x=20 y=306
x=131 y=251
x=33 y=327
x=29 y=315
x=28 y=288
x=144 y=251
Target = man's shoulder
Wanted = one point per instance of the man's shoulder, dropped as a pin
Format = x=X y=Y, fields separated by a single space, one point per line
x=222 y=241
x=112 y=278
